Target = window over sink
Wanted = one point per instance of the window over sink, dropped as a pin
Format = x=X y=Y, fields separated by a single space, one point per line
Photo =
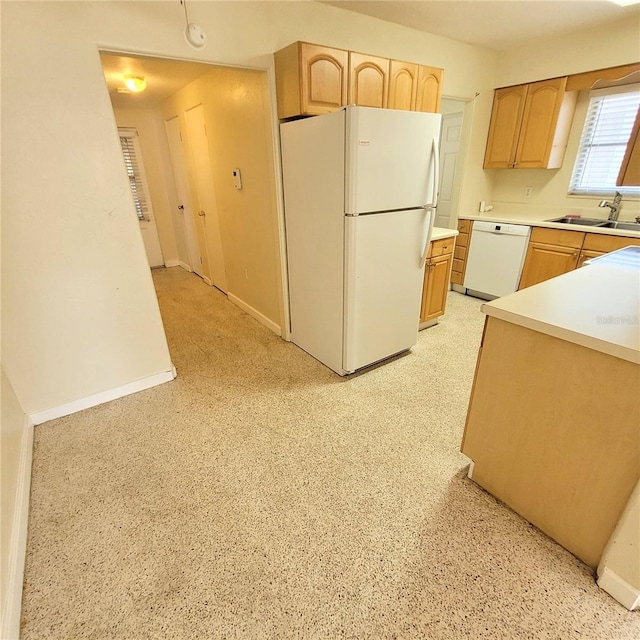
x=605 y=136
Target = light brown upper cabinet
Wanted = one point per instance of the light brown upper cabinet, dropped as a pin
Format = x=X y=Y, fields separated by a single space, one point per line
x=368 y=80
x=310 y=79
x=530 y=125
x=429 y=89
x=629 y=175
x=403 y=85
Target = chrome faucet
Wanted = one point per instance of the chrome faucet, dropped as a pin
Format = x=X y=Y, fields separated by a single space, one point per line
x=615 y=206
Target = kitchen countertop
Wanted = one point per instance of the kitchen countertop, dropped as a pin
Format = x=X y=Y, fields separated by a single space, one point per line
x=597 y=307
x=439 y=233
x=537 y=222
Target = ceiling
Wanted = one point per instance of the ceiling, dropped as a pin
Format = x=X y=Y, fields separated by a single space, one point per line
x=164 y=78
x=496 y=24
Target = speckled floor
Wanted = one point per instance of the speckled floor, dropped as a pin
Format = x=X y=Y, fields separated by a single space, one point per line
x=261 y=496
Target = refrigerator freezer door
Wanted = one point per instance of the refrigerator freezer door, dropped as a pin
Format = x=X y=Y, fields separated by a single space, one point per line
x=389 y=159
x=383 y=284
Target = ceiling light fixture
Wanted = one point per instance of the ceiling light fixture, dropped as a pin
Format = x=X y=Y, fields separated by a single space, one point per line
x=135 y=83
x=625 y=3
x=194 y=34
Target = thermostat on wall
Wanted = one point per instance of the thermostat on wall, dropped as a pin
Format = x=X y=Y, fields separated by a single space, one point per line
x=237 y=179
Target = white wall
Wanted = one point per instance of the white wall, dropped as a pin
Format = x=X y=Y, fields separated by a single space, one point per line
x=621 y=556
x=80 y=315
x=15 y=447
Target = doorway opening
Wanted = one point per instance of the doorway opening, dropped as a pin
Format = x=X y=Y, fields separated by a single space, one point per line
x=198 y=128
x=452 y=159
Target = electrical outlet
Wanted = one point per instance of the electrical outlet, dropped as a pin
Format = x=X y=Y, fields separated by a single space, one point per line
x=528 y=191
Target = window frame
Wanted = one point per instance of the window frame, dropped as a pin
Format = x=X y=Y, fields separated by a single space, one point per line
x=586 y=136
x=141 y=197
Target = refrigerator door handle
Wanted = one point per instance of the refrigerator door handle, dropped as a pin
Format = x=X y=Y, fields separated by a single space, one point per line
x=431 y=208
x=431 y=213
x=435 y=159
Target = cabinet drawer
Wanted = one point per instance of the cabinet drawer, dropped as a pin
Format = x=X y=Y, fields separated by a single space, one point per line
x=464 y=226
x=460 y=253
x=558 y=237
x=600 y=242
x=462 y=240
x=441 y=247
x=456 y=277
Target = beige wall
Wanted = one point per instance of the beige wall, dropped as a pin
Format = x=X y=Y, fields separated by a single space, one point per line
x=239 y=135
x=153 y=145
x=80 y=314
x=607 y=46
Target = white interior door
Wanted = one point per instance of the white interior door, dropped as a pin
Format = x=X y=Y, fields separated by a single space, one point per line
x=176 y=150
x=390 y=161
x=383 y=284
x=449 y=147
x=205 y=193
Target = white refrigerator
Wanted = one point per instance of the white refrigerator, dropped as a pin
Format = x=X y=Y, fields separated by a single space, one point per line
x=360 y=189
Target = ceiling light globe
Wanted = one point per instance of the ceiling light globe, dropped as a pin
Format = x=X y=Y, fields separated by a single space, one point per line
x=135 y=83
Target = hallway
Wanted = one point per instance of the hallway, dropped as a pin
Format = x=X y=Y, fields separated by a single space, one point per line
x=259 y=495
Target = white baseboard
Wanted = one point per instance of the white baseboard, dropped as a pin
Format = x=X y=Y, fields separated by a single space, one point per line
x=171 y=263
x=12 y=599
x=262 y=319
x=104 y=396
x=626 y=594
x=185 y=266
x=472 y=464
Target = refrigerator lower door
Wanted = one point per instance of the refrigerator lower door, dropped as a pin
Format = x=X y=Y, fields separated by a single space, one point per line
x=383 y=284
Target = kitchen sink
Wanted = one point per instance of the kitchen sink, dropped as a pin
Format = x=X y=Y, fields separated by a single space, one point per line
x=626 y=226
x=588 y=222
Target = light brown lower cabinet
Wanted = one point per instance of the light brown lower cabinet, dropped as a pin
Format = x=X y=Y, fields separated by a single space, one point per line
x=551 y=252
x=552 y=446
x=437 y=272
x=588 y=255
x=460 y=251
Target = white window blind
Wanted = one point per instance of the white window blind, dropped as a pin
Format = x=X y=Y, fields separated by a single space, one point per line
x=133 y=164
x=606 y=132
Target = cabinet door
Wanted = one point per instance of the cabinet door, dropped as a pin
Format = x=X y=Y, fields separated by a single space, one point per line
x=436 y=287
x=403 y=85
x=506 y=118
x=587 y=255
x=545 y=261
x=429 y=89
x=539 y=121
x=323 y=81
x=629 y=175
x=368 y=80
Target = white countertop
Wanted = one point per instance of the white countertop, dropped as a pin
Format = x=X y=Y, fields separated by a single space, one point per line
x=439 y=233
x=596 y=306
x=537 y=222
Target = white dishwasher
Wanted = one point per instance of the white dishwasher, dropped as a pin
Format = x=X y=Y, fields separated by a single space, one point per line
x=496 y=256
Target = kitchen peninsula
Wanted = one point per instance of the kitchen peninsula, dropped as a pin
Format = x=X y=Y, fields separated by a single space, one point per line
x=552 y=426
